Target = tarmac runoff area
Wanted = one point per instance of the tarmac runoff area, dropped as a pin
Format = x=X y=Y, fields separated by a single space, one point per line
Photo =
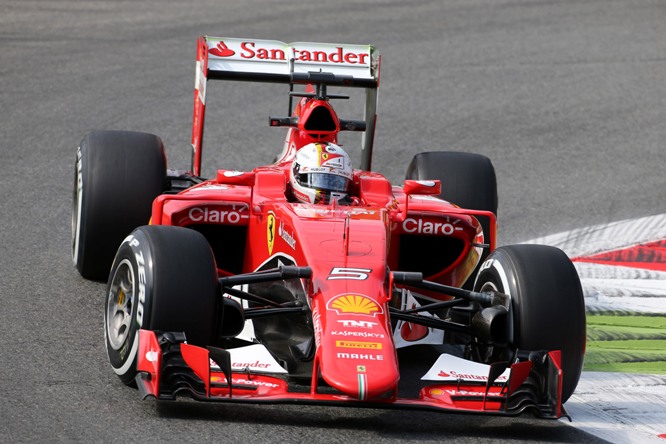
x=622 y=266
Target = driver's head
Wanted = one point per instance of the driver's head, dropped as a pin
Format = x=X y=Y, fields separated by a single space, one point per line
x=321 y=173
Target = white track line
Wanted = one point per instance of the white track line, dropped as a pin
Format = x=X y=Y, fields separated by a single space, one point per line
x=606 y=237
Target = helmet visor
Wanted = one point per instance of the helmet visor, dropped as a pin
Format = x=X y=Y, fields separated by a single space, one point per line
x=323 y=181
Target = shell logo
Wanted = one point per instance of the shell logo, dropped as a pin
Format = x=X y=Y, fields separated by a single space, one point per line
x=354 y=304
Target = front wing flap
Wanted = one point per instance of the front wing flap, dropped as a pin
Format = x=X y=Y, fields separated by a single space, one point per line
x=168 y=367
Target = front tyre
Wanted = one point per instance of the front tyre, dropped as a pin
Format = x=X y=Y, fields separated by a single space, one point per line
x=163 y=278
x=547 y=304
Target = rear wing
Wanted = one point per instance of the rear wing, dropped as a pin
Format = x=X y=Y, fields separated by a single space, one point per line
x=220 y=58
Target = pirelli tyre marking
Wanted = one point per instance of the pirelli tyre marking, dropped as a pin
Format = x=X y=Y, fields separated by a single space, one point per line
x=76 y=222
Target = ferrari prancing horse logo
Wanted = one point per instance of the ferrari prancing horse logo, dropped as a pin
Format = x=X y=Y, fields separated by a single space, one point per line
x=270 y=232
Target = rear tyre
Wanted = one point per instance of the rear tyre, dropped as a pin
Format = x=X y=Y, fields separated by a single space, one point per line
x=468 y=180
x=118 y=175
x=547 y=305
x=163 y=278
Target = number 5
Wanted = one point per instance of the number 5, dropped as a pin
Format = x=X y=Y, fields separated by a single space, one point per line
x=357 y=274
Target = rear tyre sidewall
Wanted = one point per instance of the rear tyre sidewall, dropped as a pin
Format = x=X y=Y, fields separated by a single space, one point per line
x=547 y=304
x=173 y=281
x=118 y=174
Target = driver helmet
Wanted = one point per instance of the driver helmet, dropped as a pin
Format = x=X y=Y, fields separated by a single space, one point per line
x=321 y=173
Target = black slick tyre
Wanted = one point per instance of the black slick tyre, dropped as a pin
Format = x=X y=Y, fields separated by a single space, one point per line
x=547 y=305
x=163 y=278
x=118 y=175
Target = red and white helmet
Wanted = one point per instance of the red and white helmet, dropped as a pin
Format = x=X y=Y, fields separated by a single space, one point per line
x=321 y=173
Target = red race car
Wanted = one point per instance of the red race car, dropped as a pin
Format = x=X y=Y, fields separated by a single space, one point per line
x=311 y=281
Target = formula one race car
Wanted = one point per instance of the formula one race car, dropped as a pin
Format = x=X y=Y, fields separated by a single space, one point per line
x=310 y=281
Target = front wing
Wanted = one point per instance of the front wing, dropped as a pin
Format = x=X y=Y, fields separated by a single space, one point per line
x=168 y=367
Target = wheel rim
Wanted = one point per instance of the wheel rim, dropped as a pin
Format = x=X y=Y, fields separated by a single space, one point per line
x=119 y=305
x=491 y=286
x=488 y=286
x=502 y=286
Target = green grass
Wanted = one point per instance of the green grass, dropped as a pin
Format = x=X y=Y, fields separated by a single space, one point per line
x=652 y=368
x=602 y=333
x=631 y=320
x=630 y=343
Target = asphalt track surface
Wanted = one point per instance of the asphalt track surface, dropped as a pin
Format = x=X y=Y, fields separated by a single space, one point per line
x=567 y=98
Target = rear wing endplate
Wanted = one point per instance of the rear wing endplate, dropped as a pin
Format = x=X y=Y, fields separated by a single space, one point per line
x=221 y=58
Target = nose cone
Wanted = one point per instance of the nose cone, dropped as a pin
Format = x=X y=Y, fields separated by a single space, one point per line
x=360 y=373
x=356 y=353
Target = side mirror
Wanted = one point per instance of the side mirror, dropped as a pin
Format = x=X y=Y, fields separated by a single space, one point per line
x=230 y=177
x=423 y=187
